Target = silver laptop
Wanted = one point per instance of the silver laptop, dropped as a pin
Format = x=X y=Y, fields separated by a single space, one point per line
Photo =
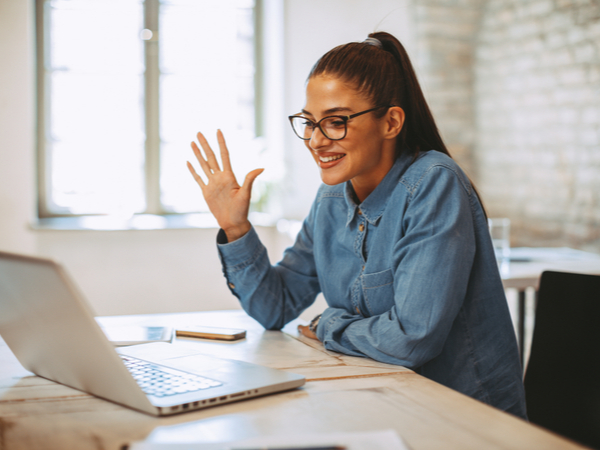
x=51 y=329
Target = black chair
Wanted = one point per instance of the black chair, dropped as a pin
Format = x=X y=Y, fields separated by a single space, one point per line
x=562 y=381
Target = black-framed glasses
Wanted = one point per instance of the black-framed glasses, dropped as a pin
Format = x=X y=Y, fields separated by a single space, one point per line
x=333 y=128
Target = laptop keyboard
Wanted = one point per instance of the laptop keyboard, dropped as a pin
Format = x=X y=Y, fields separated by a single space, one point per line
x=161 y=381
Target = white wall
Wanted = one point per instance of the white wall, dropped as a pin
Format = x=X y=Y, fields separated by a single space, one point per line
x=124 y=272
x=17 y=122
x=147 y=271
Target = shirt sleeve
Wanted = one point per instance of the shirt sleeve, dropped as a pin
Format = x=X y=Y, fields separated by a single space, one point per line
x=433 y=257
x=273 y=295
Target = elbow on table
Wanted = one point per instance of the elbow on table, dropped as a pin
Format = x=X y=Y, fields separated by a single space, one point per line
x=271 y=322
x=424 y=352
x=412 y=353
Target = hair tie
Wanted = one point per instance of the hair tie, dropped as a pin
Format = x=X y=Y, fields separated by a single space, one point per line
x=373 y=41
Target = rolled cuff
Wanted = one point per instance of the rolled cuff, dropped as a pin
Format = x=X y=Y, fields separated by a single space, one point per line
x=239 y=253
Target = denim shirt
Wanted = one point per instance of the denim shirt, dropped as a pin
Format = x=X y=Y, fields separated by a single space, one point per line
x=409 y=276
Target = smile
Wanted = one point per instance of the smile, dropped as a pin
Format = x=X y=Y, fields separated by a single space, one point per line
x=330 y=158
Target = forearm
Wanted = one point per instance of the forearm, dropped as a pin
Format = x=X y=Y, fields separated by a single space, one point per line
x=381 y=338
x=273 y=295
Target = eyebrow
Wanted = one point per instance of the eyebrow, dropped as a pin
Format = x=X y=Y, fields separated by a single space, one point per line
x=330 y=111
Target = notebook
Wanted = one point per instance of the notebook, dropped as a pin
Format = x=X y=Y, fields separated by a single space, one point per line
x=51 y=329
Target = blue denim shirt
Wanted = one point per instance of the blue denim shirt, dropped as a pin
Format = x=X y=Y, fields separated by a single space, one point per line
x=409 y=276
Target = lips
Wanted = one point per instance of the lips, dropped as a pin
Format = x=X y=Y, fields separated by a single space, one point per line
x=329 y=160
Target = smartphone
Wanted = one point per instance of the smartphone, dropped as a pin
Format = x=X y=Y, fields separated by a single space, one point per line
x=221 y=334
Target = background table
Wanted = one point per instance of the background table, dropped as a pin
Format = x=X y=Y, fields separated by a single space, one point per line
x=342 y=394
x=522 y=273
x=527 y=264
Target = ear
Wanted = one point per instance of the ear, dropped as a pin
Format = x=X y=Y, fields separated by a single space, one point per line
x=394 y=121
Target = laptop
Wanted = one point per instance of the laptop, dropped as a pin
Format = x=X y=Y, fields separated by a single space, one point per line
x=51 y=329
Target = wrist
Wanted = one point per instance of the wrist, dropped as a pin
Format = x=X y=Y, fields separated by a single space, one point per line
x=237 y=232
x=314 y=323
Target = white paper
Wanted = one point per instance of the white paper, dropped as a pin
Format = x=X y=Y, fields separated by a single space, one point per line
x=370 y=440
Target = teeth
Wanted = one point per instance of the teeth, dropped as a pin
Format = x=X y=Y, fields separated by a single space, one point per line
x=330 y=158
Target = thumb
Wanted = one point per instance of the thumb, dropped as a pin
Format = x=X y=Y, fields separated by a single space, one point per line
x=250 y=179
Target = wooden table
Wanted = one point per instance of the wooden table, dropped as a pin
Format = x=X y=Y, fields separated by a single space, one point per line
x=342 y=393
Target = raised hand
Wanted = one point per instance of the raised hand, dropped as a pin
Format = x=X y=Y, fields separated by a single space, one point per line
x=227 y=200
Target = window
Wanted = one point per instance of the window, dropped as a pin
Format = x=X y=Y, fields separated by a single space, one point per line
x=123 y=87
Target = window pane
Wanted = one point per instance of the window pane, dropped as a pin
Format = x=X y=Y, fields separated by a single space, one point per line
x=94 y=83
x=207 y=82
x=96 y=35
x=94 y=87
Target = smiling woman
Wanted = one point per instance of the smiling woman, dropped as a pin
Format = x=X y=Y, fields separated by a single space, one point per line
x=396 y=240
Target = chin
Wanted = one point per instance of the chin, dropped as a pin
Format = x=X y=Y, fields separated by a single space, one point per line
x=332 y=181
x=334 y=175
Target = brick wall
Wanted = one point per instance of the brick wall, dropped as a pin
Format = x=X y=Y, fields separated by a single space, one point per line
x=537 y=92
x=515 y=88
x=445 y=35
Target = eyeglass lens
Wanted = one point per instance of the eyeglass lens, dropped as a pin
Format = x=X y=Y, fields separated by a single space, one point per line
x=333 y=128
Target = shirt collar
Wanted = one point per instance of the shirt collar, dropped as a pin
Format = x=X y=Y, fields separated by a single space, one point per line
x=373 y=206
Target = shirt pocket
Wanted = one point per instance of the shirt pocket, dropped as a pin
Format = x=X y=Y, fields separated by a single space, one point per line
x=378 y=291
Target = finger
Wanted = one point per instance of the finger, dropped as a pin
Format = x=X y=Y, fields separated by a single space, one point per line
x=197 y=177
x=201 y=160
x=249 y=180
x=304 y=330
x=210 y=155
x=224 y=152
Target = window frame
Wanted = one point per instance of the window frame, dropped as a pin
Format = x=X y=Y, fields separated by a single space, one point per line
x=45 y=208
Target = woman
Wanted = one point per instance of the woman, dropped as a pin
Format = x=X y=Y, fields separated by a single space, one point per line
x=396 y=239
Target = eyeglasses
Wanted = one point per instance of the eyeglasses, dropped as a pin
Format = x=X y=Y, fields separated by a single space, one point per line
x=333 y=128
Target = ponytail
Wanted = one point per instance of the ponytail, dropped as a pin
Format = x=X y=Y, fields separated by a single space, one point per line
x=420 y=132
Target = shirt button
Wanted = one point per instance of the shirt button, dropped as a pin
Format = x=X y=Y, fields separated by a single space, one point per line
x=359 y=212
x=361 y=227
x=232 y=286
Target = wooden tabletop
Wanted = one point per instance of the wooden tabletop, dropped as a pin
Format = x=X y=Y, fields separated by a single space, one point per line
x=342 y=394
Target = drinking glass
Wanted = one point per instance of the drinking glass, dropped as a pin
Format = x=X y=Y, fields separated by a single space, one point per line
x=500 y=232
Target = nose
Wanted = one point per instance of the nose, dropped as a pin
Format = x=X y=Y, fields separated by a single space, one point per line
x=318 y=139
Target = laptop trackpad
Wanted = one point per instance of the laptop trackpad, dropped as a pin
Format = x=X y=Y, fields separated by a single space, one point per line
x=175 y=356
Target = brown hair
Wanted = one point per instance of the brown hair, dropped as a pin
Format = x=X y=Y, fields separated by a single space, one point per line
x=386 y=76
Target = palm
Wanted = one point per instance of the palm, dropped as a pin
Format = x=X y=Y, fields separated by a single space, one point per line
x=227 y=200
